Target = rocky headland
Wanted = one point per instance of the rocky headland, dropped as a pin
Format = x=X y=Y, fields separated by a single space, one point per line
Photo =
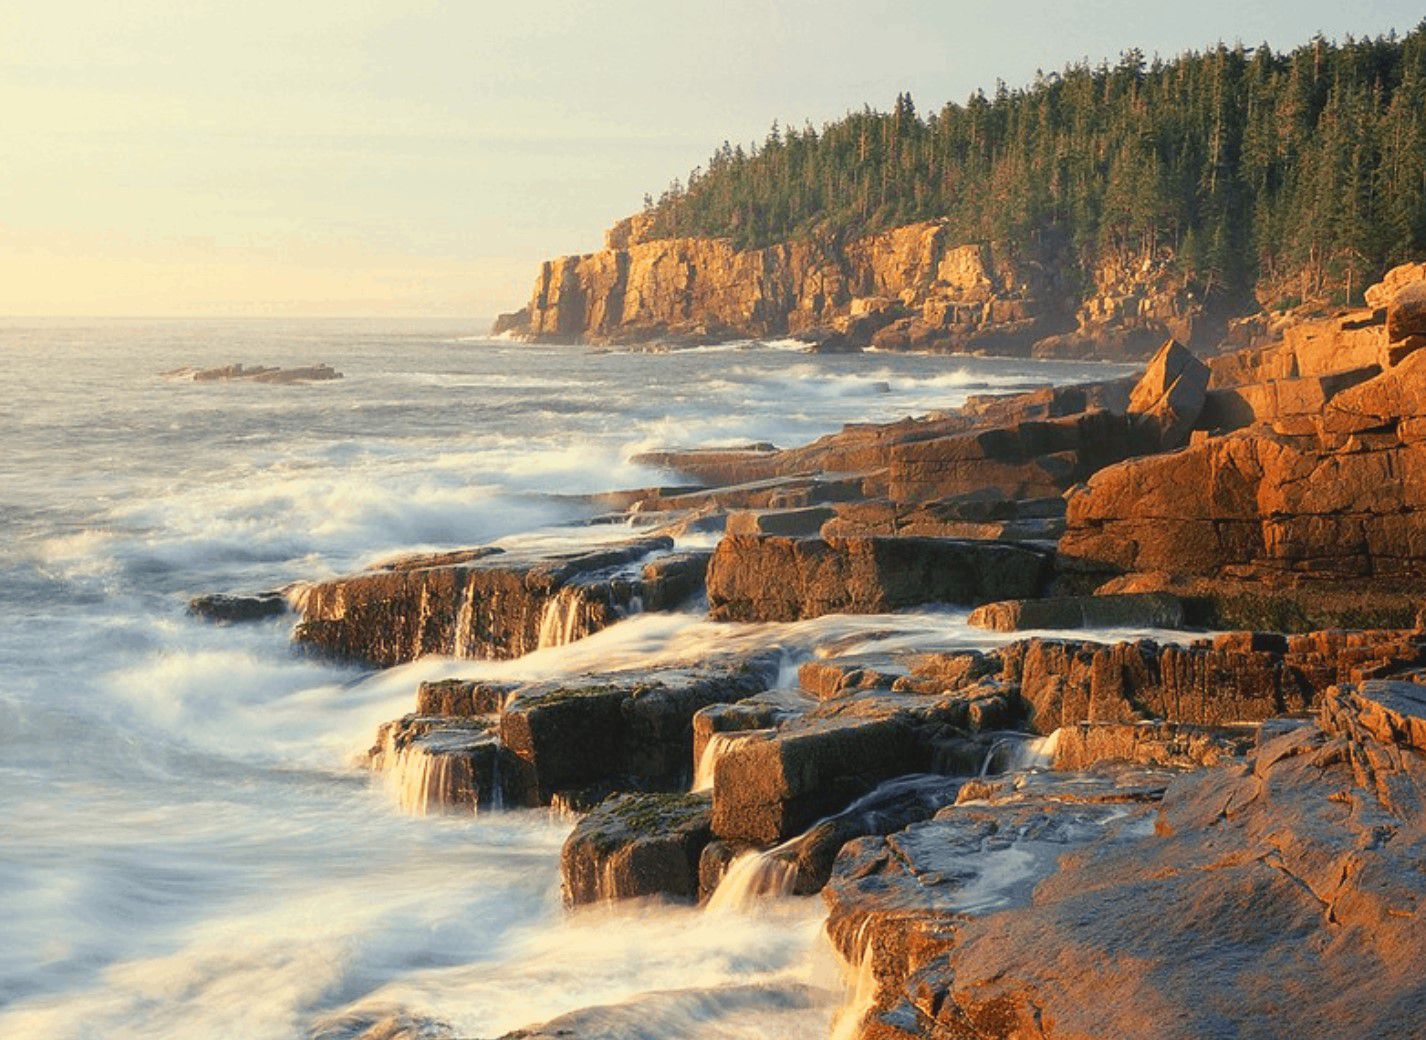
x=910 y=288
x=1061 y=835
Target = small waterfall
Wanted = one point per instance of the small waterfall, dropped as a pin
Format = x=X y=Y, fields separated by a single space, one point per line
x=752 y=878
x=424 y=782
x=431 y=774
x=497 y=784
x=559 y=623
x=755 y=876
x=298 y=594
x=717 y=745
x=861 y=986
x=464 y=618
x=1022 y=752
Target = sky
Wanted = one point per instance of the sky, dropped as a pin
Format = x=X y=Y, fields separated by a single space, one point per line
x=410 y=157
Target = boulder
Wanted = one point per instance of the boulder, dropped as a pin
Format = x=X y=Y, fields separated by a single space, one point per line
x=772 y=785
x=769 y=578
x=671 y=581
x=1382 y=293
x=637 y=845
x=1406 y=313
x=1171 y=394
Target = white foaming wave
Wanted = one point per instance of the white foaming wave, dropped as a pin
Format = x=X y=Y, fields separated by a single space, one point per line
x=263 y=956
x=631 y=956
x=305 y=517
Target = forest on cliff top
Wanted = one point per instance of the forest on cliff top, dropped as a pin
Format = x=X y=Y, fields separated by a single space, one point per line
x=1300 y=174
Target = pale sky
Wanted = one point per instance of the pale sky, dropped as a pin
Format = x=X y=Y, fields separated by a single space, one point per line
x=409 y=157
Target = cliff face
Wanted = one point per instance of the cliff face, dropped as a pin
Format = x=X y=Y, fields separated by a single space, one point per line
x=909 y=288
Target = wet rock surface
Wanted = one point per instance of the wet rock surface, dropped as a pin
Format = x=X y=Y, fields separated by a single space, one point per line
x=1218 y=836
x=481 y=603
x=571 y=741
x=226 y=609
x=1275 y=897
x=635 y=845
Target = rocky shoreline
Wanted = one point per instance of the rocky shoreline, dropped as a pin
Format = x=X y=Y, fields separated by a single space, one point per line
x=1063 y=835
x=909 y=288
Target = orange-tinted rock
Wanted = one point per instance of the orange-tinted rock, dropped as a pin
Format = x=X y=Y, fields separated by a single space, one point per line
x=480 y=603
x=1169 y=396
x=1406 y=313
x=1130 y=610
x=1277 y=898
x=1342 y=502
x=771 y=578
x=1237 y=678
x=641 y=288
x=1277 y=399
x=1033 y=459
x=636 y=845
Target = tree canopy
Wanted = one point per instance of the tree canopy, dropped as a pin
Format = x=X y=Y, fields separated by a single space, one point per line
x=1303 y=171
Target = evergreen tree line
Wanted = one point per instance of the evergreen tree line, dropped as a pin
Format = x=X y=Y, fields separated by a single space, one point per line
x=1304 y=172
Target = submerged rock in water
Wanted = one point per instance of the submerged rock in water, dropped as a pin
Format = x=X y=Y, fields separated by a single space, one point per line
x=256 y=374
x=774 y=1009
x=228 y=609
x=481 y=603
x=635 y=845
x=1279 y=897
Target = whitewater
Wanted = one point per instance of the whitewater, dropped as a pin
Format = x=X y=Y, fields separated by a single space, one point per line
x=190 y=846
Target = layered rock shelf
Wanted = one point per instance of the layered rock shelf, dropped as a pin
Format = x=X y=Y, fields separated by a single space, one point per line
x=1279 y=896
x=776 y=578
x=488 y=602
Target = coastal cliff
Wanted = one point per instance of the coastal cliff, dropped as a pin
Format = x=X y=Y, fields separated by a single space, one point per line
x=914 y=287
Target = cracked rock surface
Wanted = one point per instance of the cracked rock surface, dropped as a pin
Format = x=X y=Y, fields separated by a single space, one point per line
x=1280 y=895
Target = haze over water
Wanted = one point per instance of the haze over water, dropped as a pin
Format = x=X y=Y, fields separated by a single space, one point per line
x=189 y=846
